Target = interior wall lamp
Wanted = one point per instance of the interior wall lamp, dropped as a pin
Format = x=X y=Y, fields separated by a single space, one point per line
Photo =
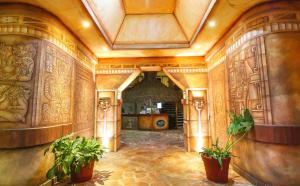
x=104 y=104
x=199 y=104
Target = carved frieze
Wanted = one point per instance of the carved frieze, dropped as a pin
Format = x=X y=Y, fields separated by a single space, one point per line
x=57 y=87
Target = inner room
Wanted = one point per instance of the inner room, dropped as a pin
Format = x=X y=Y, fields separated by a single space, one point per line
x=152 y=102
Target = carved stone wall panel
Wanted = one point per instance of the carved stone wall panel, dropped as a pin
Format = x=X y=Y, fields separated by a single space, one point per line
x=17 y=69
x=17 y=62
x=84 y=101
x=262 y=67
x=56 y=87
x=247 y=80
x=14 y=103
x=218 y=100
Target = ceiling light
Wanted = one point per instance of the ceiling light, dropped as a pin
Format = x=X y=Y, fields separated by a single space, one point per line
x=197 y=46
x=212 y=24
x=86 y=24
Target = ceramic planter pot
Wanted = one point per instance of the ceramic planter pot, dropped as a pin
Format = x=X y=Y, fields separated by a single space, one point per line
x=213 y=171
x=85 y=173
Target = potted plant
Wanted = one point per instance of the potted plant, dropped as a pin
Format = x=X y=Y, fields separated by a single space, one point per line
x=74 y=157
x=216 y=159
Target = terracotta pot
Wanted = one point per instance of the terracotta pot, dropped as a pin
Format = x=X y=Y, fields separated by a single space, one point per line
x=85 y=174
x=213 y=171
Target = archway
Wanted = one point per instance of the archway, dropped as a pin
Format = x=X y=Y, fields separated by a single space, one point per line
x=108 y=124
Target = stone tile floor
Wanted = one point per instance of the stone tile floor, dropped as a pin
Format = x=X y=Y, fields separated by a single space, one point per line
x=153 y=159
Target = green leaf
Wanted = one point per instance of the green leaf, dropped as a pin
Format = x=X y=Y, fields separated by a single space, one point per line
x=219 y=161
x=46 y=150
x=51 y=172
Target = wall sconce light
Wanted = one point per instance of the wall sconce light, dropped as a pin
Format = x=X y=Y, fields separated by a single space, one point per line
x=199 y=103
x=104 y=104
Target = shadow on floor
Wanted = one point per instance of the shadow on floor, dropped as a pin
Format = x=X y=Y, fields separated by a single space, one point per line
x=100 y=177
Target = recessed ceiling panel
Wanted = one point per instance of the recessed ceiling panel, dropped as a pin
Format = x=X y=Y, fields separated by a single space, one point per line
x=149 y=6
x=190 y=13
x=150 y=29
x=109 y=14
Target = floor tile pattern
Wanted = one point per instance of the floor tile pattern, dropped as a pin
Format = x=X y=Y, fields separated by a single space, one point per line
x=153 y=159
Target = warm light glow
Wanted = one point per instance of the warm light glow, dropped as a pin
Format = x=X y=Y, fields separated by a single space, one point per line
x=86 y=24
x=104 y=49
x=197 y=93
x=212 y=24
x=105 y=142
x=200 y=135
x=197 y=46
x=200 y=143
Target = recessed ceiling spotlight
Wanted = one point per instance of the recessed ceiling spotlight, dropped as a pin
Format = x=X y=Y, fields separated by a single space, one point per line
x=104 y=49
x=86 y=24
x=211 y=23
x=197 y=46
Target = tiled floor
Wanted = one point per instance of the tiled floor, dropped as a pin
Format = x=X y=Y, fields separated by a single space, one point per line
x=153 y=159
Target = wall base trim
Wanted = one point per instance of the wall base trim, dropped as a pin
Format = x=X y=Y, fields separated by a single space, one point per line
x=249 y=177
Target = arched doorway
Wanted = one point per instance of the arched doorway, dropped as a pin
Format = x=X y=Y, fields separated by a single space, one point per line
x=109 y=120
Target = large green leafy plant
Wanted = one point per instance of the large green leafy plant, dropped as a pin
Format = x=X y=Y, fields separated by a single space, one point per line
x=239 y=126
x=72 y=154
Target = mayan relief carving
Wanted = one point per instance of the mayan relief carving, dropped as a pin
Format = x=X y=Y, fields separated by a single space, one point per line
x=84 y=96
x=13 y=103
x=39 y=28
x=57 y=87
x=16 y=62
x=217 y=83
x=246 y=80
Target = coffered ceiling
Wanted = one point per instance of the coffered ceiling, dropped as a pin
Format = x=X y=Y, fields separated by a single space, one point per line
x=73 y=14
x=149 y=6
x=149 y=24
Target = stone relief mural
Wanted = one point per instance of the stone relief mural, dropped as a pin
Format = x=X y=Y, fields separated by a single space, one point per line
x=217 y=84
x=84 y=96
x=246 y=80
x=57 y=87
x=16 y=68
x=13 y=103
x=16 y=62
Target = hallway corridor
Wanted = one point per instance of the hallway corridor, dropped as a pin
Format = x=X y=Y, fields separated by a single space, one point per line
x=153 y=159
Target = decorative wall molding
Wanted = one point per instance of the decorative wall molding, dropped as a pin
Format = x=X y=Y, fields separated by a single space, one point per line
x=42 y=29
x=141 y=64
x=218 y=62
x=268 y=23
x=186 y=70
x=116 y=71
x=261 y=25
